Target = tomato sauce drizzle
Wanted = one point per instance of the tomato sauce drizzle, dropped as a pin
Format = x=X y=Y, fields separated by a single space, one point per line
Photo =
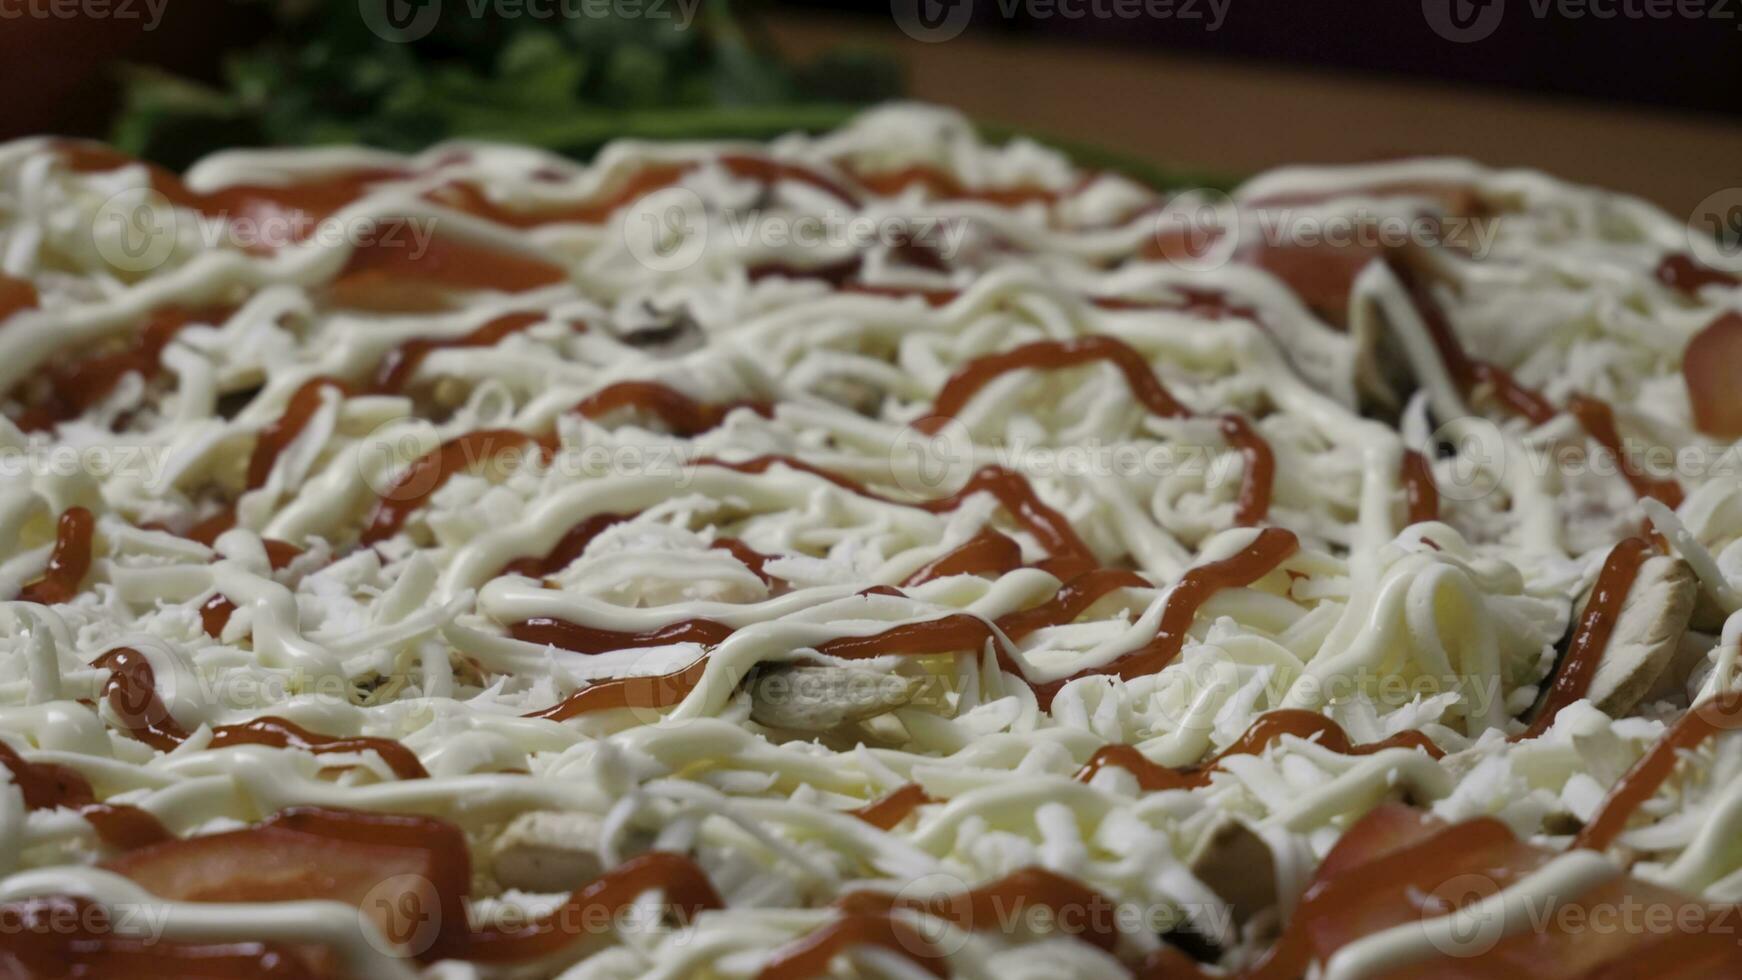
x=1069 y=602
x=1716 y=715
x=577 y=638
x=1419 y=491
x=413 y=487
x=575 y=541
x=986 y=553
x=1598 y=419
x=1013 y=491
x=1260 y=476
x=400 y=363
x=889 y=810
x=683 y=415
x=570 y=546
x=1053 y=355
x=68 y=563
x=1267 y=551
x=1594 y=415
x=282 y=431
x=1591 y=638
x=1259 y=481
x=68 y=389
x=131 y=692
x=1683 y=272
x=1261 y=734
x=215 y=612
x=947 y=634
x=644 y=693
x=48 y=786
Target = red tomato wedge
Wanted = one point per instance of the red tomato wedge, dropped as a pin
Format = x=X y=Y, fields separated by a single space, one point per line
x=56 y=937
x=409 y=874
x=1322 y=275
x=1398 y=866
x=397 y=274
x=16 y=295
x=1709 y=367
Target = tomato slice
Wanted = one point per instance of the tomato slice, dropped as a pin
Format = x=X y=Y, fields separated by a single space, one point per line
x=409 y=874
x=1709 y=367
x=16 y=295
x=397 y=274
x=57 y=936
x=1399 y=866
x=1322 y=274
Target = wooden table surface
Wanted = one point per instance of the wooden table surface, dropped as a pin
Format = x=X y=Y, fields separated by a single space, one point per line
x=1239 y=118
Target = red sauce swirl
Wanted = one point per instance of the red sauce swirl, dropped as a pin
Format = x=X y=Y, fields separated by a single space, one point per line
x=67 y=389
x=68 y=563
x=1260 y=476
x=131 y=692
x=395 y=369
x=47 y=786
x=1261 y=734
x=1683 y=272
x=1591 y=637
x=282 y=431
x=683 y=415
x=1594 y=415
x=986 y=553
x=412 y=489
x=1420 y=494
x=1705 y=720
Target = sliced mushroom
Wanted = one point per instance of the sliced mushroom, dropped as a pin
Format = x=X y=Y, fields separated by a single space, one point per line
x=549 y=851
x=1647 y=635
x=1235 y=863
x=660 y=333
x=823 y=698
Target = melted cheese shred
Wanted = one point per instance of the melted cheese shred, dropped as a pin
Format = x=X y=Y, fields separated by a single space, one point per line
x=808 y=511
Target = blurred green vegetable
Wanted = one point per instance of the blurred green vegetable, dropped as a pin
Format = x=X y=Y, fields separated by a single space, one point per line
x=340 y=72
x=336 y=71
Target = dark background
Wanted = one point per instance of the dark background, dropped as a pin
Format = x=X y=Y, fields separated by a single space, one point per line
x=56 y=75
x=1672 y=62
